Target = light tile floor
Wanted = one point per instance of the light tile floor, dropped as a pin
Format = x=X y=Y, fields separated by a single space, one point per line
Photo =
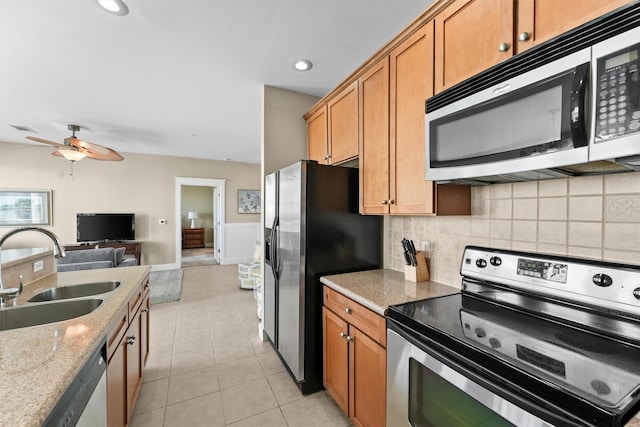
x=207 y=367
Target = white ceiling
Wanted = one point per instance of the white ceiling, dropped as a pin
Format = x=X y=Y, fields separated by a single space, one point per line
x=177 y=77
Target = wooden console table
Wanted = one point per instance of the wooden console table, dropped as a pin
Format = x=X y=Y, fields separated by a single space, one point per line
x=131 y=247
x=192 y=238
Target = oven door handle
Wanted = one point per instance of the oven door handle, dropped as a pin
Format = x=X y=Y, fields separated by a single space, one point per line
x=578 y=105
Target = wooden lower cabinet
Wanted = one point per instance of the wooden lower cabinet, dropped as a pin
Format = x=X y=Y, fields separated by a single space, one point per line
x=336 y=358
x=127 y=350
x=354 y=363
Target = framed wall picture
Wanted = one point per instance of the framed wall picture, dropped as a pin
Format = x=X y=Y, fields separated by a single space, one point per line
x=249 y=201
x=25 y=207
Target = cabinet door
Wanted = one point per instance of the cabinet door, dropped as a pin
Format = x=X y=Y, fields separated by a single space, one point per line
x=374 y=139
x=471 y=36
x=317 y=147
x=117 y=415
x=335 y=358
x=134 y=363
x=367 y=380
x=144 y=330
x=541 y=20
x=411 y=84
x=342 y=111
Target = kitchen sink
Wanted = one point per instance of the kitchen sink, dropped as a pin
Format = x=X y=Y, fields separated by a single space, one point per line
x=75 y=291
x=33 y=315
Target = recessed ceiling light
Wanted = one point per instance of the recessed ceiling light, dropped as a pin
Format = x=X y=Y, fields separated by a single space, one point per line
x=117 y=7
x=303 y=65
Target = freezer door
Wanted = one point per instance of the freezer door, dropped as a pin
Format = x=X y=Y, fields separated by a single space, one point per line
x=270 y=280
x=270 y=198
x=290 y=295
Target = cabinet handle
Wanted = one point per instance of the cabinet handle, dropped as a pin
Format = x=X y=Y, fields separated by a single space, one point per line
x=524 y=36
x=342 y=335
x=503 y=47
x=348 y=310
x=349 y=339
x=385 y=202
x=146 y=285
x=145 y=310
x=326 y=157
x=391 y=201
x=131 y=340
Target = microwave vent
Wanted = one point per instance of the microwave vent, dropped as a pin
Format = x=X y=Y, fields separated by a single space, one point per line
x=597 y=167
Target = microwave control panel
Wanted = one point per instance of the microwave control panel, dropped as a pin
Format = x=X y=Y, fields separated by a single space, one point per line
x=617 y=103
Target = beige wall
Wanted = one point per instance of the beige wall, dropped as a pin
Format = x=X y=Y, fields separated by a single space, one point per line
x=593 y=217
x=284 y=129
x=143 y=184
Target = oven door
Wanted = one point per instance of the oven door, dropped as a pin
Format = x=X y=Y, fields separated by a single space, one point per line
x=422 y=391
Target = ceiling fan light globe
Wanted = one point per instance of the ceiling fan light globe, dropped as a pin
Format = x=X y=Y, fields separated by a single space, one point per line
x=72 y=155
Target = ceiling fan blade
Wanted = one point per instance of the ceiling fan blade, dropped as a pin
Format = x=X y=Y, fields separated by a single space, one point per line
x=95 y=151
x=45 y=141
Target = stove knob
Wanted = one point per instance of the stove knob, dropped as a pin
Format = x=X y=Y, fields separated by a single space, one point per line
x=602 y=280
x=636 y=293
x=480 y=333
x=481 y=263
x=495 y=342
x=495 y=261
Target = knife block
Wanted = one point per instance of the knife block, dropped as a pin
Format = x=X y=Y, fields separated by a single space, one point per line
x=419 y=273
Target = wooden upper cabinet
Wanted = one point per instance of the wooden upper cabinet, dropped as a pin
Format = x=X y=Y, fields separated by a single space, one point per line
x=317 y=144
x=471 y=36
x=541 y=20
x=411 y=77
x=342 y=113
x=374 y=139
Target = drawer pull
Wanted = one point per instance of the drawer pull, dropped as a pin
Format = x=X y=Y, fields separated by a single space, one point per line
x=343 y=335
x=145 y=310
x=349 y=339
x=348 y=310
x=131 y=340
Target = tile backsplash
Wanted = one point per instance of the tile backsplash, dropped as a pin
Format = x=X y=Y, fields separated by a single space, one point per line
x=596 y=217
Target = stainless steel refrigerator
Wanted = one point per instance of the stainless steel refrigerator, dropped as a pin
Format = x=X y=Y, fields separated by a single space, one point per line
x=312 y=229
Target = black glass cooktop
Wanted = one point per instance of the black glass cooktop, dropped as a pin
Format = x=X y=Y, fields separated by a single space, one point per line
x=564 y=364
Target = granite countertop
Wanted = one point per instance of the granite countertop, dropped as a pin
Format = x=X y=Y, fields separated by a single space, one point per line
x=378 y=289
x=38 y=363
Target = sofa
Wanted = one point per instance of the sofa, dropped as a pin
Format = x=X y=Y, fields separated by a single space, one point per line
x=91 y=259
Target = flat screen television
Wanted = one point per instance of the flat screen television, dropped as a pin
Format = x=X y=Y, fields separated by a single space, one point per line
x=99 y=227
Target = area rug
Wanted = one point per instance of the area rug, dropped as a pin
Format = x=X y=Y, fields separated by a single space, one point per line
x=166 y=286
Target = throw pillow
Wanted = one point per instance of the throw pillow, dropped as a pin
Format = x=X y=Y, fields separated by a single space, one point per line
x=119 y=255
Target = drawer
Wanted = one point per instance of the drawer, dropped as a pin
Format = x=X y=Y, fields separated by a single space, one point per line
x=356 y=314
x=135 y=301
x=116 y=331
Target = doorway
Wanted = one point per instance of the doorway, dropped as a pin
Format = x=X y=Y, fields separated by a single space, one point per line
x=210 y=218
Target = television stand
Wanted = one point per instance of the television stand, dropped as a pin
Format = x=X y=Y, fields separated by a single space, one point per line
x=130 y=247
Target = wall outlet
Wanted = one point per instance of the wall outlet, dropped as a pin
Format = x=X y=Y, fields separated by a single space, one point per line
x=162 y=221
x=38 y=265
x=426 y=248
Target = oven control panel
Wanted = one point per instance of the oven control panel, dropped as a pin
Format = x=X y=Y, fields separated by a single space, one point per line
x=610 y=285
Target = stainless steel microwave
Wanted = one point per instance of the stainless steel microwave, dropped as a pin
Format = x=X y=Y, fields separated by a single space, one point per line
x=558 y=112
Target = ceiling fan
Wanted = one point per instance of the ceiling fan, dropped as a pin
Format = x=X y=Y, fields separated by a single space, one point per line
x=75 y=149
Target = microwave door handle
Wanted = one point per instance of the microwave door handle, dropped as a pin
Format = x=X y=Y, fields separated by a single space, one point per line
x=578 y=105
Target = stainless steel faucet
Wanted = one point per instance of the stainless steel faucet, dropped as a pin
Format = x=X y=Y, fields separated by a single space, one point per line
x=8 y=294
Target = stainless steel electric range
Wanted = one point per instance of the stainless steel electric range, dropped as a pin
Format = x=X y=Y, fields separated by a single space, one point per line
x=531 y=340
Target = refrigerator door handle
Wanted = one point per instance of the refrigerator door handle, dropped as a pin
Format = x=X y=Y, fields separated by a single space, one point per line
x=274 y=248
